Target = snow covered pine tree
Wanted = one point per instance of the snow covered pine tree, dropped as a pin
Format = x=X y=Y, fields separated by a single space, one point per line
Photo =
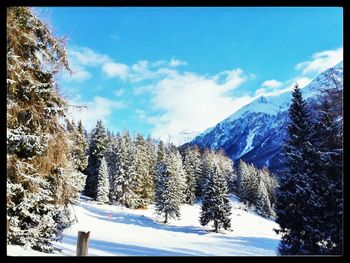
x=295 y=195
x=79 y=144
x=41 y=177
x=215 y=201
x=262 y=203
x=111 y=159
x=191 y=166
x=144 y=185
x=81 y=149
x=103 y=183
x=227 y=166
x=248 y=183
x=152 y=167
x=97 y=149
x=169 y=187
x=327 y=220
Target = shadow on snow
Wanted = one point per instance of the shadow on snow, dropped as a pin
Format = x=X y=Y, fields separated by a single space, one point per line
x=132 y=250
x=260 y=243
x=240 y=245
x=139 y=220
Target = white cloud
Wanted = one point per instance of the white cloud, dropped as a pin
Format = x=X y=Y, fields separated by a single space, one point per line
x=80 y=59
x=194 y=102
x=135 y=73
x=112 y=69
x=301 y=81
x=230 y=79
x=159 y=63
x=87 y=57
x=142 y=115
x=252 y=76
x=321 y=61
x=98 y=108
x=119 y=92
x=141 y=66
x=272 y=83
x=269 y=87
x=286 y=86
x=78 y=74
x=162 y=72
x=175 y=63
x=142 y=89
x=140 y=71
x=261 y=91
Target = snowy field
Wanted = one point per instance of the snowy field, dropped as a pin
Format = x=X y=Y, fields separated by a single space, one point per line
x=118 y=231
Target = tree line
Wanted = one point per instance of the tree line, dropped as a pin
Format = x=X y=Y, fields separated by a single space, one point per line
x=136 y=172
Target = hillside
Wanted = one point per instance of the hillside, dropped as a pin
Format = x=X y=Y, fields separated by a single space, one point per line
x=118 y=231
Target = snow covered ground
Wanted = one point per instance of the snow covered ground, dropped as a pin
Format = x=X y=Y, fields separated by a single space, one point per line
x=118 y=231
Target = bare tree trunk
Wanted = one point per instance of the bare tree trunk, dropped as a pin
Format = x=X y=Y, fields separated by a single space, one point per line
x=82 y=243
x=166 y=217
x=7 y=226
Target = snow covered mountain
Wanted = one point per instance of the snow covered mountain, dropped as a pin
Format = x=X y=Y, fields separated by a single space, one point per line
x=183 y=137
x=255 y=133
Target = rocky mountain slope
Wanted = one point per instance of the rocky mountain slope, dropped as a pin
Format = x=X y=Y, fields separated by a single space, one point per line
x=256 y=132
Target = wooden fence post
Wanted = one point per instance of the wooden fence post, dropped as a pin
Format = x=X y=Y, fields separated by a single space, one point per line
x=7 y=226
x=82 y=243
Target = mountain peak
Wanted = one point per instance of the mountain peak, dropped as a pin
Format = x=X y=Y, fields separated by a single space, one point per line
x=262 y=99
x=256 y=132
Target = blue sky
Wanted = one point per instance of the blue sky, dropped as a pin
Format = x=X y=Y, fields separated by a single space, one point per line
x=159 y=71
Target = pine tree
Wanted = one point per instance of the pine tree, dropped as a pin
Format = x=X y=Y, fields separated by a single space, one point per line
x=162 y=185
x=41 y=178
x=70 y=126
x=79 y=144
x=179 y=172
x=206 y=166
x=189 y=166
x=119 y=170
x=97 y=150
x=103 y=183
x=169 y=189
x=144 y=186
x=111 y=159
x=248 y=183
x=131 y=197
x=82 y=148
x=243 y=175
x=329 y=127
x=295 y=195
x=197 y=169
x=271 y=184
x=256 y=187
x=215 y=202
x=262 y=203
x=227 y=166
x=152 y=167
x=125 y=182
x=192 y=164
x=327 y=223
